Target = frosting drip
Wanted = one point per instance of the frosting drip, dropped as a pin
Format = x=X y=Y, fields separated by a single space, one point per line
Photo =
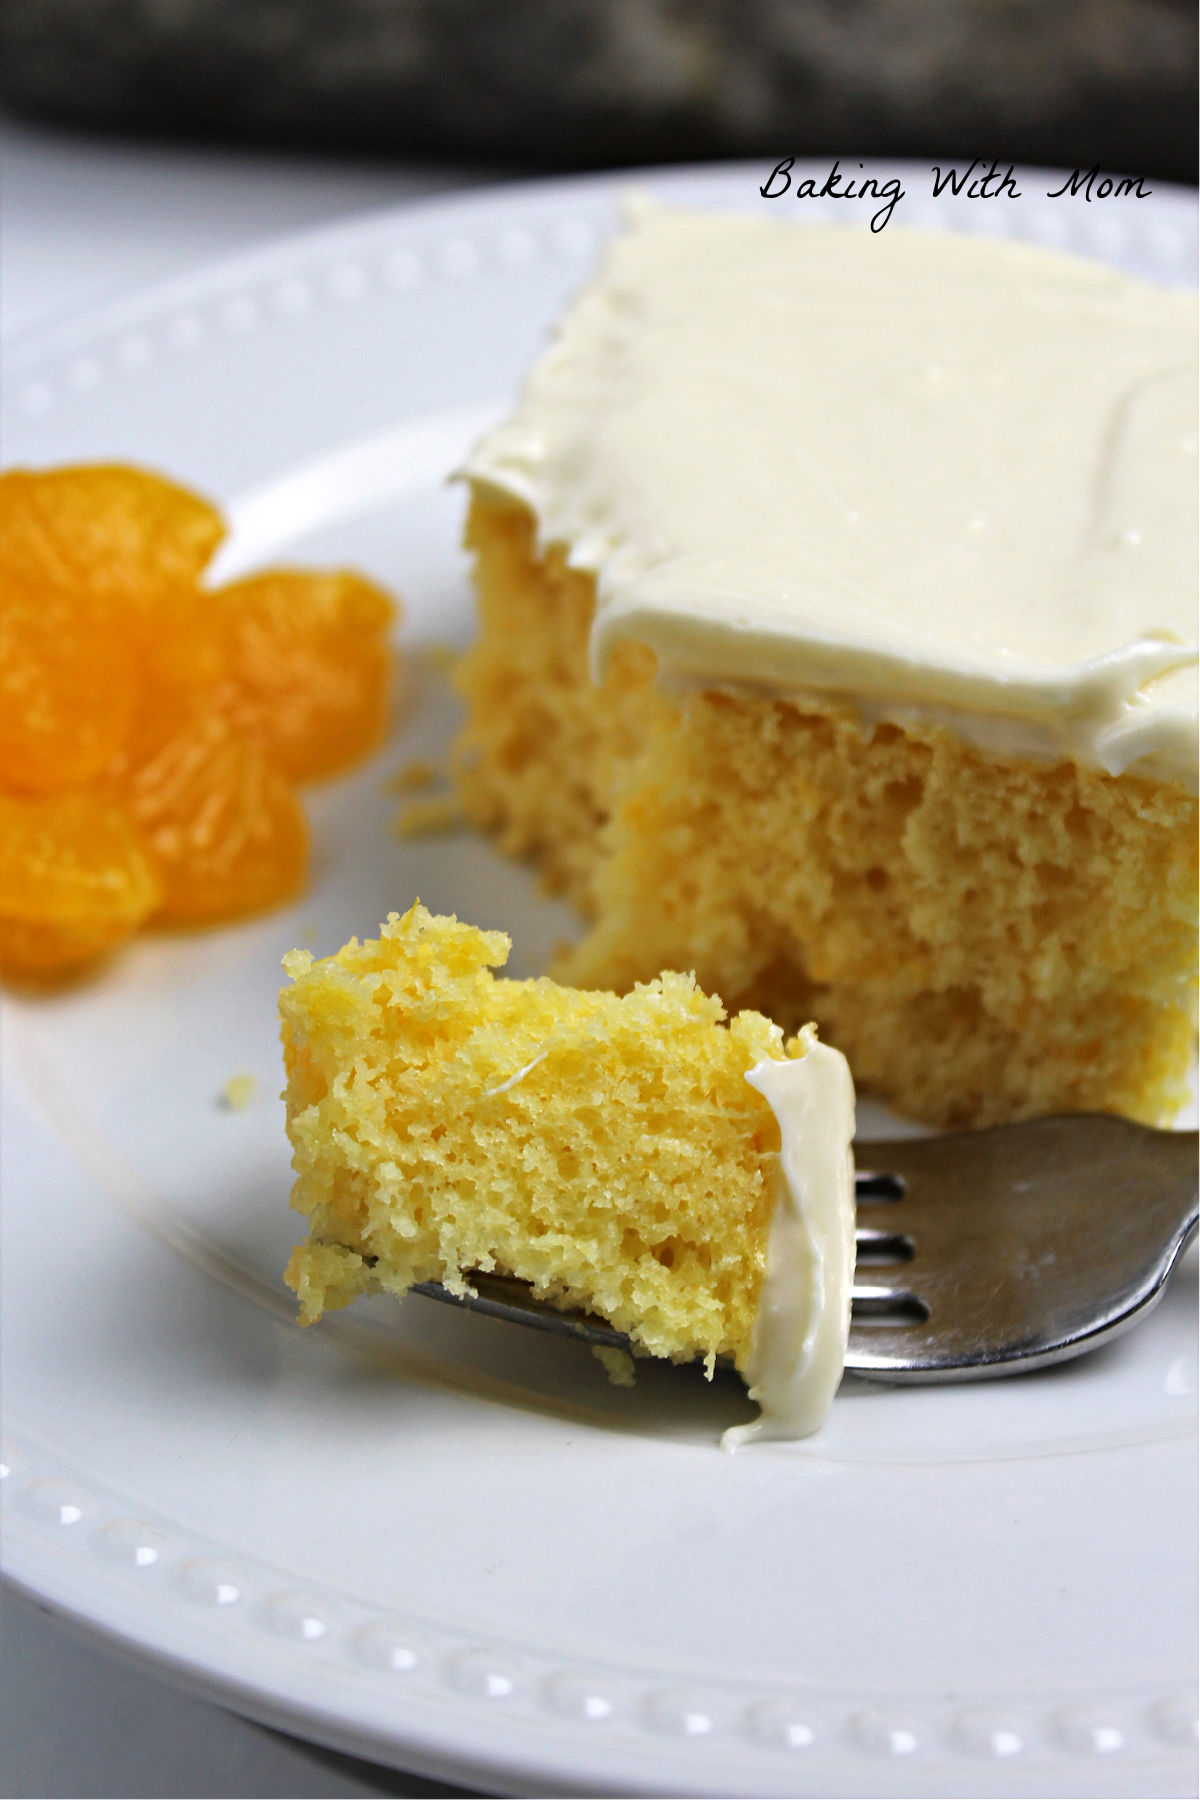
x=940 y=476
x=800 y=1333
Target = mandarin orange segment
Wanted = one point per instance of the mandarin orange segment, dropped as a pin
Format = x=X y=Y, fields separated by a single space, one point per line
x=224 y=829
x=66 y=687
x=121 y=533
x=308 y=667
x=98 y=593
x=75 y=882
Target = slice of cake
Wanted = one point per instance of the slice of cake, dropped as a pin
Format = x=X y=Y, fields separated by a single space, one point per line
x=687 y=1179
x=837 y=598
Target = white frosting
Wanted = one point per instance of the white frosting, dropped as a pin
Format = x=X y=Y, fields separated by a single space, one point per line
x=944 y=477
x=799 y=1345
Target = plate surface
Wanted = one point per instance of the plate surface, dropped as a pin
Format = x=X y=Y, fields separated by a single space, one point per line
x=423 y=1536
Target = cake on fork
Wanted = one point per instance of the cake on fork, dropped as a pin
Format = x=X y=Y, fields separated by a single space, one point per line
x=686 y=1177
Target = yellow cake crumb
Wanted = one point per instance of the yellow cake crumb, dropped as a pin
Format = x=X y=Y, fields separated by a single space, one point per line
x=420 y=773
x=609 y=1151
x=237 y=1093
x=618 y=1365
x=429 y=818
x=443 y=659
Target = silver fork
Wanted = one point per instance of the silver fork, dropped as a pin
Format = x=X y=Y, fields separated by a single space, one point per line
x=993 y=1251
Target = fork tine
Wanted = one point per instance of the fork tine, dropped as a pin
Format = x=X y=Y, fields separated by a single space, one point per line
x=876 y=1248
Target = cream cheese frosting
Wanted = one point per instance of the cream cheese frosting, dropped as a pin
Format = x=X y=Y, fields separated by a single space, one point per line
x=799 y=1346
x=943 y=477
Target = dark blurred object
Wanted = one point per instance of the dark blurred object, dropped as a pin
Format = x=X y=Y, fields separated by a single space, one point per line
x=578 y=82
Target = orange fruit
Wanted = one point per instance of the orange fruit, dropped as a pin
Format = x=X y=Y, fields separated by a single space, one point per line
x=98 y=591
x=66 y=686
x=74 y=883
x=224 y=830
x=307 y=667
x=120 y=533
x=150 y=729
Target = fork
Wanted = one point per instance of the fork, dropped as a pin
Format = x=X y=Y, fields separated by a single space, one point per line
x=992 y=1251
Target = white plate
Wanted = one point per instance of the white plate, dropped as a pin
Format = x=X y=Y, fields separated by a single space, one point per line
x=425 y=1537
